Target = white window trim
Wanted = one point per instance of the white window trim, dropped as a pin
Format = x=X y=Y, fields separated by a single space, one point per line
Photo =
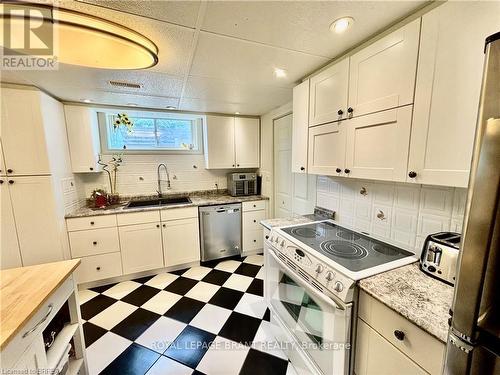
x=103 y=134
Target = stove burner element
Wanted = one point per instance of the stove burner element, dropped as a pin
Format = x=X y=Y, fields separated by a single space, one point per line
x=349 y=236
x=386 y=250
x=343 y=249
x=305 y=232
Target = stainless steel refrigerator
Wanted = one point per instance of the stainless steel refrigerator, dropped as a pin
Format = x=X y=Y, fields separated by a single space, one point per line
x=474 y=339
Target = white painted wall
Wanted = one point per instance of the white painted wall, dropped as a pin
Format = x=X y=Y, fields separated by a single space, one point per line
x=411 y=211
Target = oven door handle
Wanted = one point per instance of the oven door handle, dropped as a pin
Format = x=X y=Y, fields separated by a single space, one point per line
x=305 y=285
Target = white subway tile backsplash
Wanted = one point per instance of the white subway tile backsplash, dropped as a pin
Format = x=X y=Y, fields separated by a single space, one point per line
x=436 y=200
x=428 y=223
x=407 y=196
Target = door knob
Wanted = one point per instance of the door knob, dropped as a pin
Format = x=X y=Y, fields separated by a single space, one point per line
x=412 y=174
x=338 y=170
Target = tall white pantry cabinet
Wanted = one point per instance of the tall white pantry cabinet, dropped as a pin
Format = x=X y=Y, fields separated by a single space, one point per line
x=34 y=161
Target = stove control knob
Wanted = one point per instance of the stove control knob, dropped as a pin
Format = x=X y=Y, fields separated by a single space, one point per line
x=276 y=240
x=282 y=244
x=319 y=268
x=339 y=287
x=271 y=239
x=329 y=276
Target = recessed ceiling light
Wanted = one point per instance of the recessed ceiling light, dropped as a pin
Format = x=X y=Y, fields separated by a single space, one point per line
x=279 y=73
x=341 y=25
x=170 y=107
x=86 y=100
x=236 y=113
x=132 y=104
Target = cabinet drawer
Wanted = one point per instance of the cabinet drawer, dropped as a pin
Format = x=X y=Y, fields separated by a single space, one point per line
x=179 y=213
x=251 y=220
x=99 y=267
x=421 y=347
x=91 y=222
x=253 y=205
x=93 y=242
x=253 y=240
x=138 y=218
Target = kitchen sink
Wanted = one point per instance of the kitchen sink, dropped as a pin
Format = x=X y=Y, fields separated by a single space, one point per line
x=158 y=202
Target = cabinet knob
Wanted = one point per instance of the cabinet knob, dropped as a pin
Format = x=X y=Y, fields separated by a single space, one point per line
x=302 y=168
x=164 y=225
x=91 y=223
x=400 y=335
x=233 y=165
x=237 y=165
x=254 y=240
x=412 y=174
x=340 y=112
x=1 y=181
x=267 y=237
x=91 y=168
x=255 y=221
x=94 y=243
x=347 y=171
x=157 y=225
x=98 y=268
x=11 y=182
x=338 y=170
x=350 y=110
x=9 y=170
x=255 y=205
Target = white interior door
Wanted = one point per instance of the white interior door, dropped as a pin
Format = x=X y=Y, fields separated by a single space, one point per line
x=283 y=166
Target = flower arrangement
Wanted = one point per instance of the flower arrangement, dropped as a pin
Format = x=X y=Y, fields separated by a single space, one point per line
x=122 y=119
x=113 y=163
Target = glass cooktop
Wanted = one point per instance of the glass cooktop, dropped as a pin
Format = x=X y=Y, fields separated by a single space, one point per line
x=354 y=251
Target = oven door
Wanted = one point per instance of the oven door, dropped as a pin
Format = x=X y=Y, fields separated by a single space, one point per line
x=320 y=324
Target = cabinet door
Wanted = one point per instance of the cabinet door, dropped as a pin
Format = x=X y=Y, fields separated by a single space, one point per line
x=181 y=241
x=3 y=171
x=447 y=94
x=33 y=359
x=10 y=255
x=382 y=75
x=23 y=133
x=141 y=247
x=377 y=145
x=300 y=127
x=38 y=229
x=246 y=142
x=327 y=149
x=328 y=94
x=219 y=142
x=83 y=138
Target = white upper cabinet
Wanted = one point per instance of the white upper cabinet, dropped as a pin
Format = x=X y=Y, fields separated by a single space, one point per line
x=448 y=87
x=300 y=127
x=382 y=75
x=83 y=138
x=327 y=149
x=3 y=172
x=231 y=142
x=23 y=134
x=328 y=95
x=246 y=142
x=377 y=145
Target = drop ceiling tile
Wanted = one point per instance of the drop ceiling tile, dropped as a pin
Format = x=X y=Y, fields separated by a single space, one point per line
x=304 y=25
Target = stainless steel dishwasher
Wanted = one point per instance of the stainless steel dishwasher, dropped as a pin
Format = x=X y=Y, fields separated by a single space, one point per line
x=220 y=229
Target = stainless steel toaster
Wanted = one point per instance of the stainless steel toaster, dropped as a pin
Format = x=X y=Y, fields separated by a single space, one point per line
x=440 y=255
x=242 y=184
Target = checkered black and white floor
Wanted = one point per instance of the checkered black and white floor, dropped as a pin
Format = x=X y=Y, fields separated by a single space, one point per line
x=210 y=320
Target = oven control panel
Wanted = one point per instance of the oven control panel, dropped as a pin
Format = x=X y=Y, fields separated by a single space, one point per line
x=320 y=272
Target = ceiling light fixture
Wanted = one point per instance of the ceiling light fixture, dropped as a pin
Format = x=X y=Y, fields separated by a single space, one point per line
x=342 y=24
x=132 y=104
x=279 y=73
x=170 y=107
x=81 y=39
x=236 y=113
x=86 y=100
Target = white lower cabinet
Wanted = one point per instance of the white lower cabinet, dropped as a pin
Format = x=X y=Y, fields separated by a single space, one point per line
x=251 y=230
x=34 y=358
x=181 y=241
x=94 y=242
x=99 y=267
x=141 y=247
x=327 y=149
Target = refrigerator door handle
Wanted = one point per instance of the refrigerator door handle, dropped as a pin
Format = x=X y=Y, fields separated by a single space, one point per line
x=459 y=343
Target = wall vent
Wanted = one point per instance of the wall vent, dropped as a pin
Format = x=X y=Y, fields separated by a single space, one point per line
x=129 y=85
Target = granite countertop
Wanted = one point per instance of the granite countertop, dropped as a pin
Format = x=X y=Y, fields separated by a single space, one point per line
x=281 y=222
x=419 y=298
x=196 y=200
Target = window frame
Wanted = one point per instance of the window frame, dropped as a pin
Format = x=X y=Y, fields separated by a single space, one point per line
x=102 y=117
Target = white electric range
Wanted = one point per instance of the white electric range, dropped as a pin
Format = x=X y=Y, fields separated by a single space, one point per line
x=310 y=288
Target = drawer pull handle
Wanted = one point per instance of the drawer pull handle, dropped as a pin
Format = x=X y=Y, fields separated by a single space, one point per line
x=400 y=335
x=49 y=311
x=94 y=243
x=91 y=223
x=255 y=205
x=98 y=268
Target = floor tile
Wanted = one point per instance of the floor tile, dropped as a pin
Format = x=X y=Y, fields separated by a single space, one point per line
x=95 y=306
x=102 y=352
x=256 y=287
x=211 y=318
x=135 y=324
x=267 y=315
x=197 y=273
x=260 y=274
x=248 y=269
x=227 y=298
x=202 y=291
x=258 y=260
x=240 y=328
x=181 y=286
x=179 y=272
x=252 y=305
x=86 y=295
x=290 y=370
x=143 y=280
x=92 y=333
x=261 y=363
x=167 y=366
x=120 y=290
x=185 y=309
x=223 y=357
x=190 y=346
x=216 y=277
x=140 y=295
x=134 y=360
x=113 y=315
x=228 y=265
x=238 y=282
x=161 y=334
x=162 y=280
x=102 y=288
x=161 y=302
x=265 y=341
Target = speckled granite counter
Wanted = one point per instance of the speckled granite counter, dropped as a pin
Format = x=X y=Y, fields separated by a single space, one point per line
x=419 y=298
x=281 y=222
x=196 y=200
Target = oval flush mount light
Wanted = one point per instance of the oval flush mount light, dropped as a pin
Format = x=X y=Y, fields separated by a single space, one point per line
x=83 y=40
x=279 y=73
x=342 y=24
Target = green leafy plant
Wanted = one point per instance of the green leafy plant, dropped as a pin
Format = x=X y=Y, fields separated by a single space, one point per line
x=122 y=119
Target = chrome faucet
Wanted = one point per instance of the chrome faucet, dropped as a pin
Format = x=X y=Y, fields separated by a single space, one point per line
x=159 y=179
